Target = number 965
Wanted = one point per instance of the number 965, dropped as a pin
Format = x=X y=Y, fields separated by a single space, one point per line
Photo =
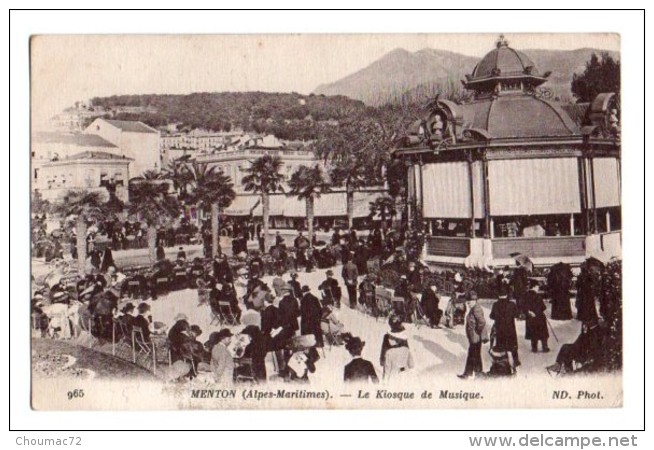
x=77 y=393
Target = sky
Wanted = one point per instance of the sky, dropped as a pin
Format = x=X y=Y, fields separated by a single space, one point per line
x=69 y=68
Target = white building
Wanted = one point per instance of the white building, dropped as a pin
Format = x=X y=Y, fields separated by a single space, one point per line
x=88 y=170
x=53 y=146
x=135 y=140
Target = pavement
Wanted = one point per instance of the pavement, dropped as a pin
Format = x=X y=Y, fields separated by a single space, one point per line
x=438 y=353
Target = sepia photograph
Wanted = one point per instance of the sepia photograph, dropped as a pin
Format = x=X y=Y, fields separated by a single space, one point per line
x=326 y=221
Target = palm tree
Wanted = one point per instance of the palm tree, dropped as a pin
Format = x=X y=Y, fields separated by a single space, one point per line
x=264 y=177
x=385 y=207
x=85 y=206
x=149 y=175
x=215 y=189
x=308 y=183
x=179 y=173
x=151 y=203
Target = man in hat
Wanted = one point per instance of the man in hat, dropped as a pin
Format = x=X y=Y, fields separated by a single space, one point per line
x=310 y=315
x=536 y=321
x=429 y=304
x=367 y=293
x=222 y=362
x=279 y=240
x=181 y=254
x=358 y=370
x=295 y=284
x=476 y=334
x=330 y=289
x=289 y=311
x=504 y=313
x=350 y=275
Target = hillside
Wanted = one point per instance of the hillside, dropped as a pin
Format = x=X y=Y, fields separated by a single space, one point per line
x=286 y=115
x=427 y=70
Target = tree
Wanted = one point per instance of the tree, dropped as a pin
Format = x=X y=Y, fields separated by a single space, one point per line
x=308 y=183
x=151 y=203
x=384 y=207
x=602 y=74
x=353 y=153
x=264 y=177
x=178 y=172
x=85 y=206
x=149 y=175
x=217 y=190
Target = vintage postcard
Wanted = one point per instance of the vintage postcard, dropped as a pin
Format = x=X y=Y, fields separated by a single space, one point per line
x=325 y=221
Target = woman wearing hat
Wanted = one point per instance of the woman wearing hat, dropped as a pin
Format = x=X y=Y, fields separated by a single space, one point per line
x=429 y=303
x=222 y=362
x=395 y=355
x=358 y=370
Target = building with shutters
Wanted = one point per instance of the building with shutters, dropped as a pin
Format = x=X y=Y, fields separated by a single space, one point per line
x=511 y=172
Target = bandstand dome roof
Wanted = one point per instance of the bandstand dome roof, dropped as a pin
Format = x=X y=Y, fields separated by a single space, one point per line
x=517 y=117
x=504 y=61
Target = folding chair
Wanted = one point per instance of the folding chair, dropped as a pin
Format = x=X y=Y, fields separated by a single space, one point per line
x=180 y=279
x=120 y=334
x=194 y=276
x=161 y=285
x=161 y=351
x=214 y=311
x=134 y=288
x=139 y=344
x=227 y=315
x=399 y=306
x=382 y=303
x=419 y=316
x=244 y=370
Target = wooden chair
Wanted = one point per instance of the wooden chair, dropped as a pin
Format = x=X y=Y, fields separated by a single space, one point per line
x=244 y=371
x=227 y=315
x=139 y=344
x=134 y=288
x=161 y=285
x=419 y=317
x=120 y=334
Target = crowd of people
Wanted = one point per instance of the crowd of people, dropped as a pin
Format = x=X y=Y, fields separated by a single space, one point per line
x=288 y=323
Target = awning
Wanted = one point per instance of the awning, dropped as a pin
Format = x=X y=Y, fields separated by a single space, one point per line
x=446 y=190
x=362 y=202
x=533 y=187
x=330 y=205
x=607 y=184
x=277 y=204
x=242 y=205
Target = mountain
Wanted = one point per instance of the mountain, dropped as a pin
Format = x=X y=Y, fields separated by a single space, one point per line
x=401 y=71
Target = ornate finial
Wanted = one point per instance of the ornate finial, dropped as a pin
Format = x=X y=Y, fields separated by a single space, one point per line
x=501 y=42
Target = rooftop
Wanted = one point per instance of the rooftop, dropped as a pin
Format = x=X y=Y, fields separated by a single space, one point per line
x=80 y=140
x=98 y=155
x=131 y=126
